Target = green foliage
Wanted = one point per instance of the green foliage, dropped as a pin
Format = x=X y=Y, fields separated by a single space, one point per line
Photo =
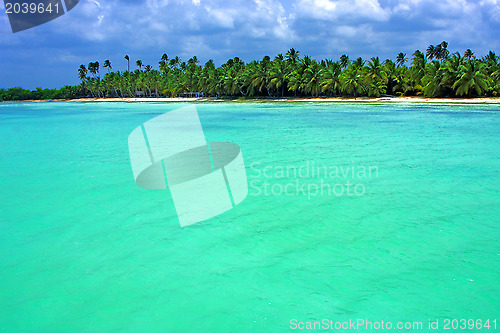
x=16 y=94
x=19 y=94
x=434 y=74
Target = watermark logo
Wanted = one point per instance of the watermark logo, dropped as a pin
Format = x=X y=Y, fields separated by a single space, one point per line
x=26 y=14
x=310 y=179
x=205 y=179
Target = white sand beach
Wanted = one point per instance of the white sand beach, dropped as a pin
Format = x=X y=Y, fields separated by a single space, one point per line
x=331 y=99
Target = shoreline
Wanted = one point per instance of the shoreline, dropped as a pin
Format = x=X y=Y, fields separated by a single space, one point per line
x=411 y=99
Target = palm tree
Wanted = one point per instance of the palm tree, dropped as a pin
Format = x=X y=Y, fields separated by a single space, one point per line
x=107 y=65
x=205 y=75
x=175 y=61
x=344 y=61
x=292 y=56
x=232 y=82
x=472 y=79
x=138 y=63
x=439 y=51
x=490 y=59
x=277 y=74
x=312 y=78
x=294 y=78
x=443 y=52
x=376 y=78
x=110 y=84
x=128 y=62
x=359 y=62
x=468 y=54
x=94 y=68
x=401 y=59
x=191 y=74
x=194 y=60
x=438 y=74
x=330 y=77
x=432 y=82
x=260 y=75
x=216 y=82
x=449 y=71
x=351 y=81
x=375 y=69
x=444 y=44
x=431 y=52
x=416 y=73
x=82 y=73
x=391 y=72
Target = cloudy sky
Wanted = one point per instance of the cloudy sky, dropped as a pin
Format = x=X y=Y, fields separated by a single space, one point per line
x=49 y=55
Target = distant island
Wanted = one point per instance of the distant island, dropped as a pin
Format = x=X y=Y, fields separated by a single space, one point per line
x=435 y=74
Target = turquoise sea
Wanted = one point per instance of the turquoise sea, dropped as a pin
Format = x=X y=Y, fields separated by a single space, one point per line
x=83 y=249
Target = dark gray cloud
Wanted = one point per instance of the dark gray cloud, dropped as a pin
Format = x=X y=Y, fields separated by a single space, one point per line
x=49 y=55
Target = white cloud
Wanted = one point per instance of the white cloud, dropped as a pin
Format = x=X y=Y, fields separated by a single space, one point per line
x=342 y=9
x=157 y=4
x=269 y=20
x=224 y=17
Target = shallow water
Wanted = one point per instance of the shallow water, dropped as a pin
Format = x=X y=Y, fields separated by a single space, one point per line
x=82 y=248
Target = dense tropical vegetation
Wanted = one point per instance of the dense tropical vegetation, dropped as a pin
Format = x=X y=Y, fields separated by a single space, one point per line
x=437 y=73
x=20 y=94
